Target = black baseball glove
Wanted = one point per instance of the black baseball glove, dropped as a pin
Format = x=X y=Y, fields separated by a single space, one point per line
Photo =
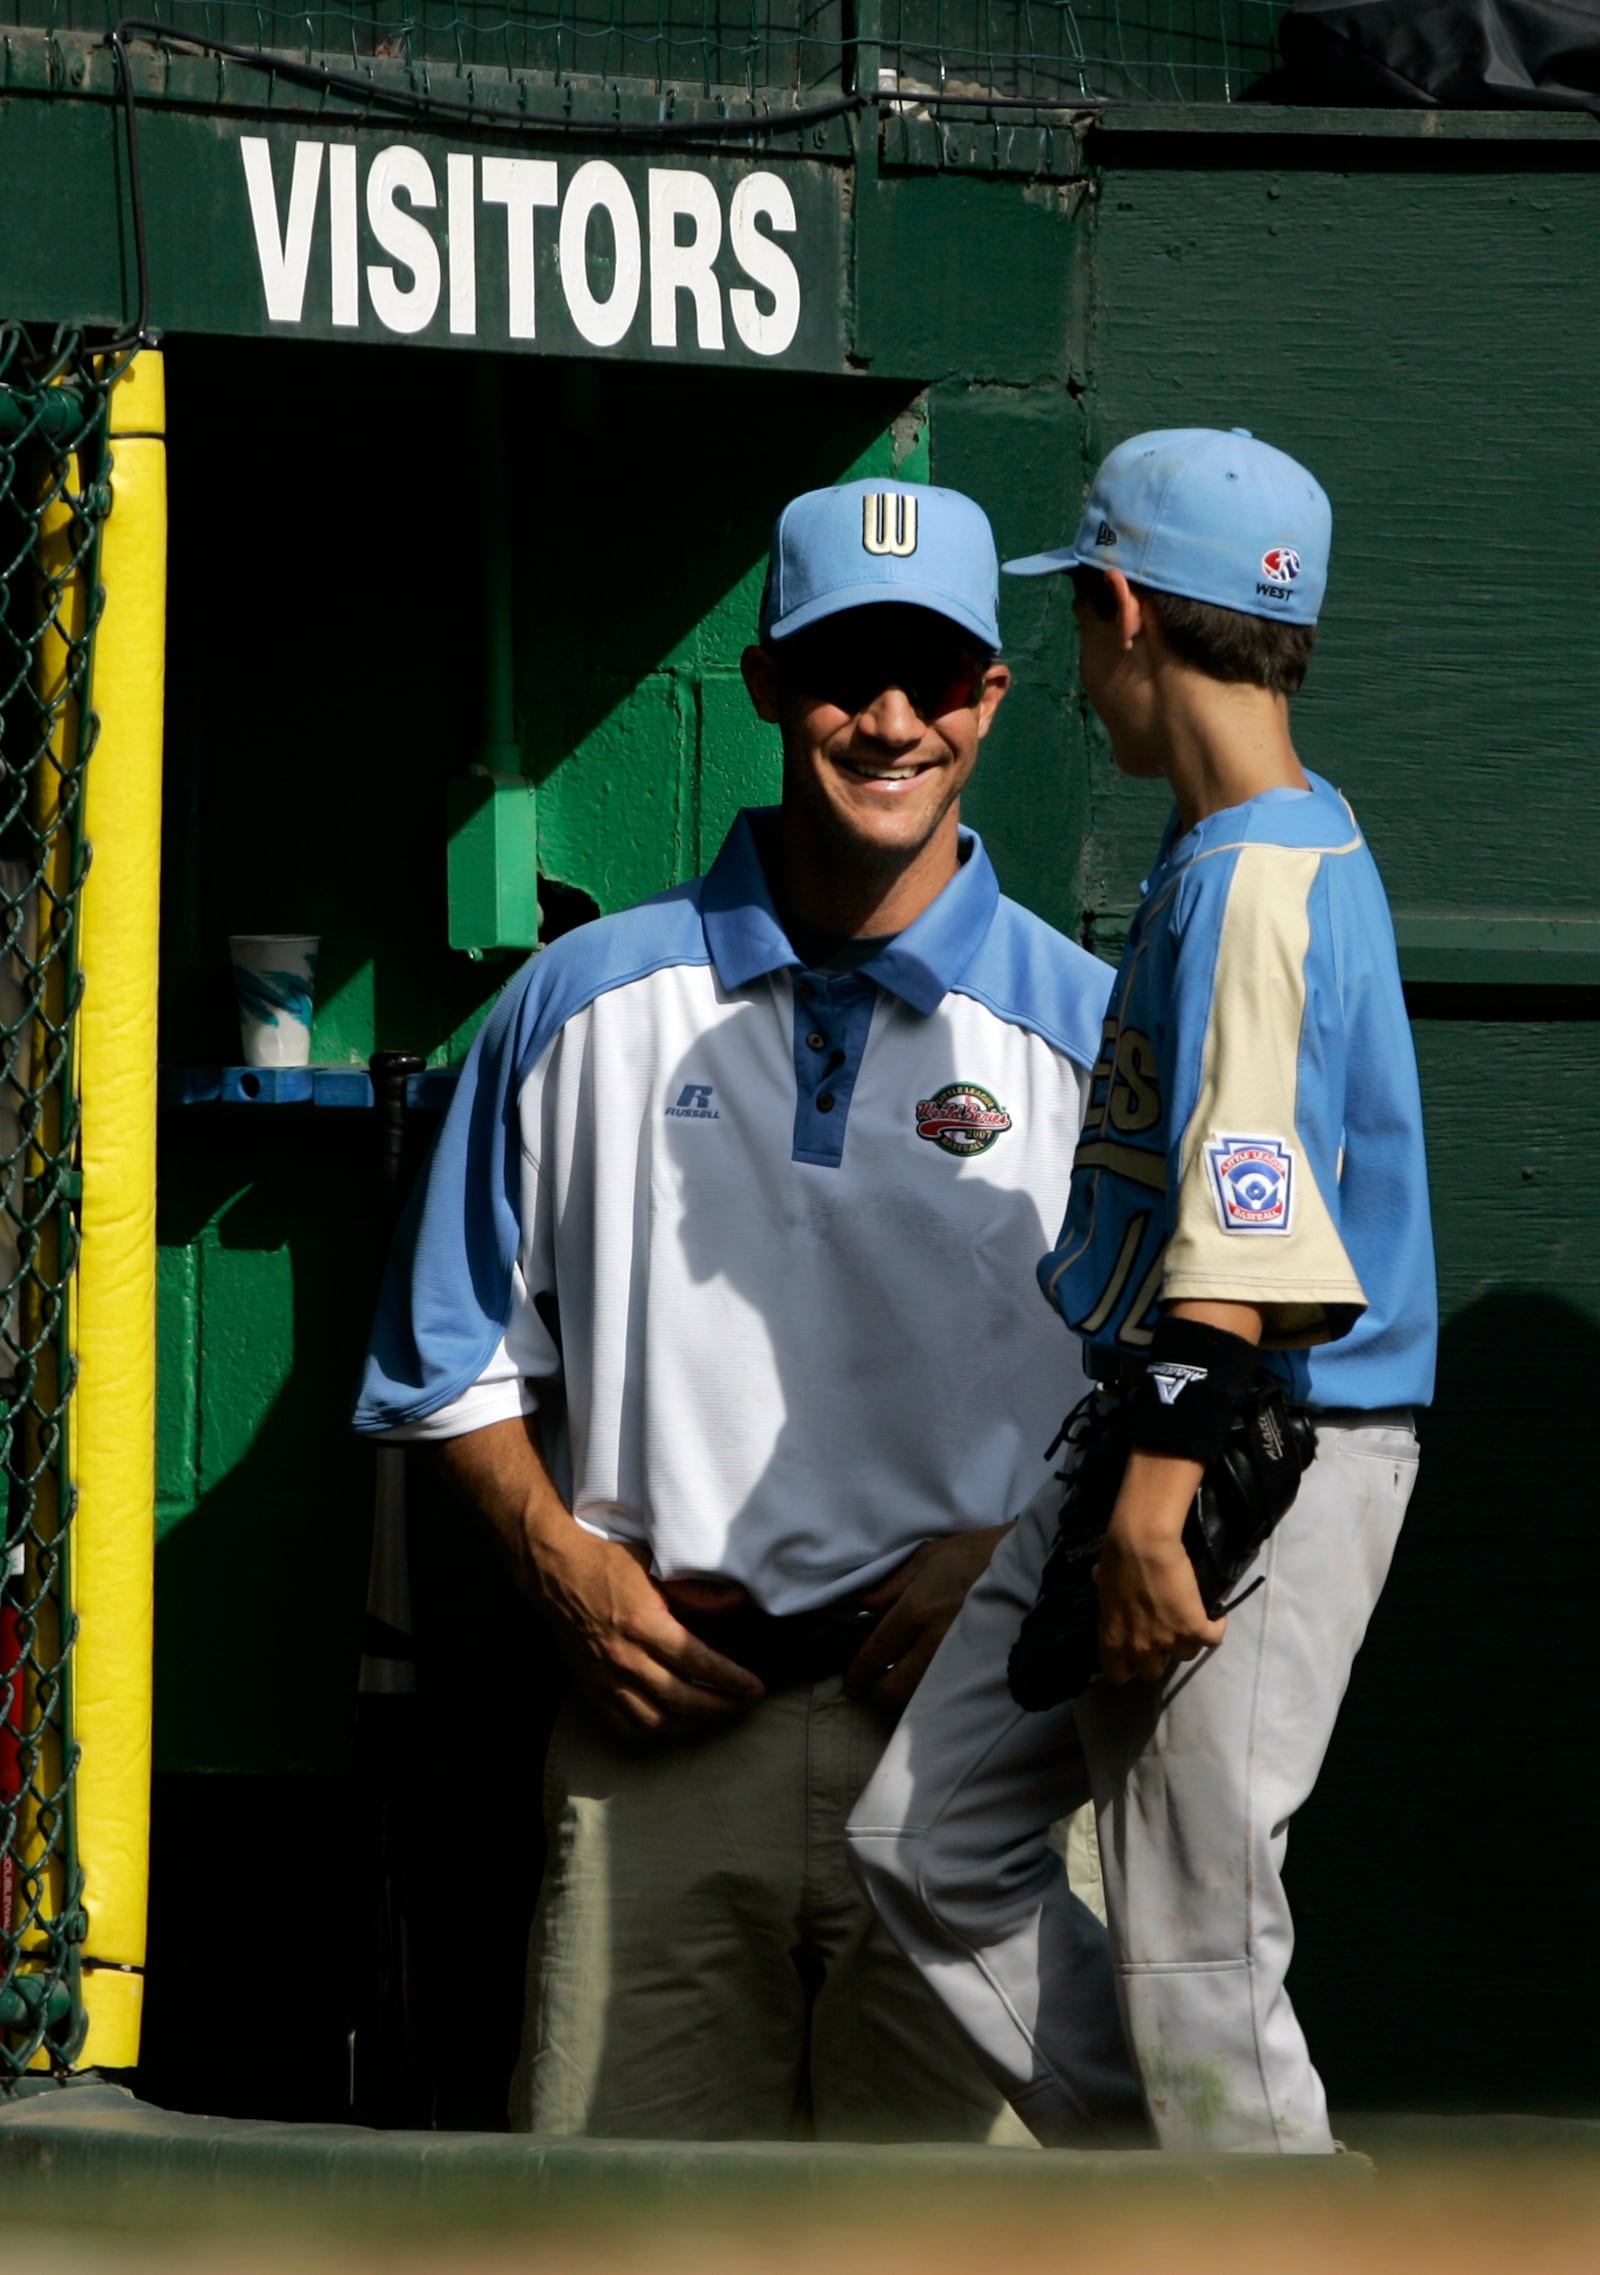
x=1244 y=1492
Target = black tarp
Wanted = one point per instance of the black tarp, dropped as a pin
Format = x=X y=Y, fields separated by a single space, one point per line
x=1470 y=55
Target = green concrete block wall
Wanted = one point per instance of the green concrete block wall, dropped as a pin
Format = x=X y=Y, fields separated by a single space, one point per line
x=636 y=725
x=1020 y=450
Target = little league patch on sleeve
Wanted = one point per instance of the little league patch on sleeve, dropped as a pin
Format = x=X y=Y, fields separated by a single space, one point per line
x=1252 y=1182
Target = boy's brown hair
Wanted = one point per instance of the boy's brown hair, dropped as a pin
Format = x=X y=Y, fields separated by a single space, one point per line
x=1224 y=643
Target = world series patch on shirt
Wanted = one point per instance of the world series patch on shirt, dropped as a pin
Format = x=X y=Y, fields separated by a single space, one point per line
x=961 y=1118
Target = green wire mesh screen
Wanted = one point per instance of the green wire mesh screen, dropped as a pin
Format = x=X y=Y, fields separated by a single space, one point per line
x=53 y=499
x=1045 y=50
x=1186 y=51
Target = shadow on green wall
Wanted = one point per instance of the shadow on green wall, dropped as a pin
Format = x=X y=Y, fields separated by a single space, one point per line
x=261 y=1580
x=260 y=1574
x=256 y=1881
x=327 y=659
x=1440 y=1876
x=642 y=499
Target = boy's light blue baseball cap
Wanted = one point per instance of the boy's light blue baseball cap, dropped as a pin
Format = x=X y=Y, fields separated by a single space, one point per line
x=876 y=540
x=1210 y=514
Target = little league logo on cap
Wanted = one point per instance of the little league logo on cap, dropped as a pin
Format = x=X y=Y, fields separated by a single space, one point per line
x=1210 y=514
x=874 y=541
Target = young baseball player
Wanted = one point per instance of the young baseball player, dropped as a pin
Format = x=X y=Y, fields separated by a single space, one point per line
x=714 y=1305
x=1249 y=1193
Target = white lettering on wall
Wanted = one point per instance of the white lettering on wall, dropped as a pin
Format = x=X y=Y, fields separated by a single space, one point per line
x=283 y=260
x=698 y=231
x=684 y=267
x=597 y=187
x=519 y=184
x=402 y=307
x=344 y=257
x=461 y=242
x=764 y=197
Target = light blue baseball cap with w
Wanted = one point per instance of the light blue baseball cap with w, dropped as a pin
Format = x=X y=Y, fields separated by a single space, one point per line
x=1210 y=513
x=876 y=540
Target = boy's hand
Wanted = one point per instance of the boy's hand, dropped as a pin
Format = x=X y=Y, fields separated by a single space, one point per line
x=1150 y=1608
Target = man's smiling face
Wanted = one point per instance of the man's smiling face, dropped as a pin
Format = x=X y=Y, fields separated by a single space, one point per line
x=882 y=710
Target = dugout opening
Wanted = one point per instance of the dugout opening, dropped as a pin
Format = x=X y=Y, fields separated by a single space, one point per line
x=333 y=680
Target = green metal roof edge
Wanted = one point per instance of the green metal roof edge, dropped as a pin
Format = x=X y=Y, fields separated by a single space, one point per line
x=78 y=64
x=1253 y=120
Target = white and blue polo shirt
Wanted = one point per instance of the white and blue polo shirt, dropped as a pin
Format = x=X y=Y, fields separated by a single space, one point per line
x=757 y=1243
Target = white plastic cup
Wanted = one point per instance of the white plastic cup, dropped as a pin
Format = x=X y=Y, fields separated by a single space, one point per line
x=275 y=975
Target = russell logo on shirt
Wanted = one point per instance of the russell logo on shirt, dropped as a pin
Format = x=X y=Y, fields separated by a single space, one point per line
x=961 y=1119
x=694 y=1104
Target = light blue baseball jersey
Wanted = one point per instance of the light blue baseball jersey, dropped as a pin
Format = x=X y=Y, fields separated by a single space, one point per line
x=755 y=1242
x=1254 y=1129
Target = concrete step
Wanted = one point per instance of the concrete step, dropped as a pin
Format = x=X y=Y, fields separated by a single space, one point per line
x=95 y=2152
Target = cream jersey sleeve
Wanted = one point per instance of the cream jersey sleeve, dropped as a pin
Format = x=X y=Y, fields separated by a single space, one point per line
x=1255 y=1050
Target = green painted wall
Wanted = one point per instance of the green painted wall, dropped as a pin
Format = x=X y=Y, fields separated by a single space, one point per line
x=1412 y=322
x=1414 y=335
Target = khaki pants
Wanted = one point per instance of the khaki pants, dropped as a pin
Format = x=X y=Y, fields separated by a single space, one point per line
x=704 y=1965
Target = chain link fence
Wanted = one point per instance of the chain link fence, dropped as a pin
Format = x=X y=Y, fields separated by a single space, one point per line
x=53 y=501
x=1044 y=51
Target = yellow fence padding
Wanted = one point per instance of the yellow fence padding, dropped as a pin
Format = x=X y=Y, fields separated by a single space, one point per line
x=113 y=1412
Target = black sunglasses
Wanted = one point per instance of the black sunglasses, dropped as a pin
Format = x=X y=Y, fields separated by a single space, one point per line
x=935 y=675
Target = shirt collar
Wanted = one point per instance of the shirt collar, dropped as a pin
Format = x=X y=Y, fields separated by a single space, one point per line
x=920 y=965
x=1180 y=846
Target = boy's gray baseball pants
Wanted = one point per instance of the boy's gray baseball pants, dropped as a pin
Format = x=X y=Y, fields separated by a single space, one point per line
x=1194 y=1782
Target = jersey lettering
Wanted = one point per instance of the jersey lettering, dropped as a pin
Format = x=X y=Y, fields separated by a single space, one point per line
x=1141 y=1163
x=1134 y=1103
x=1094 y=1118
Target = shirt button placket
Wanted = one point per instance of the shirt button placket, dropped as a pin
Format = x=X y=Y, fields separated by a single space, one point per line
x=824 y=1101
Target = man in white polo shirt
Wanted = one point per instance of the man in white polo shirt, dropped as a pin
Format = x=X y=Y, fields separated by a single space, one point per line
x=717 y=1303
